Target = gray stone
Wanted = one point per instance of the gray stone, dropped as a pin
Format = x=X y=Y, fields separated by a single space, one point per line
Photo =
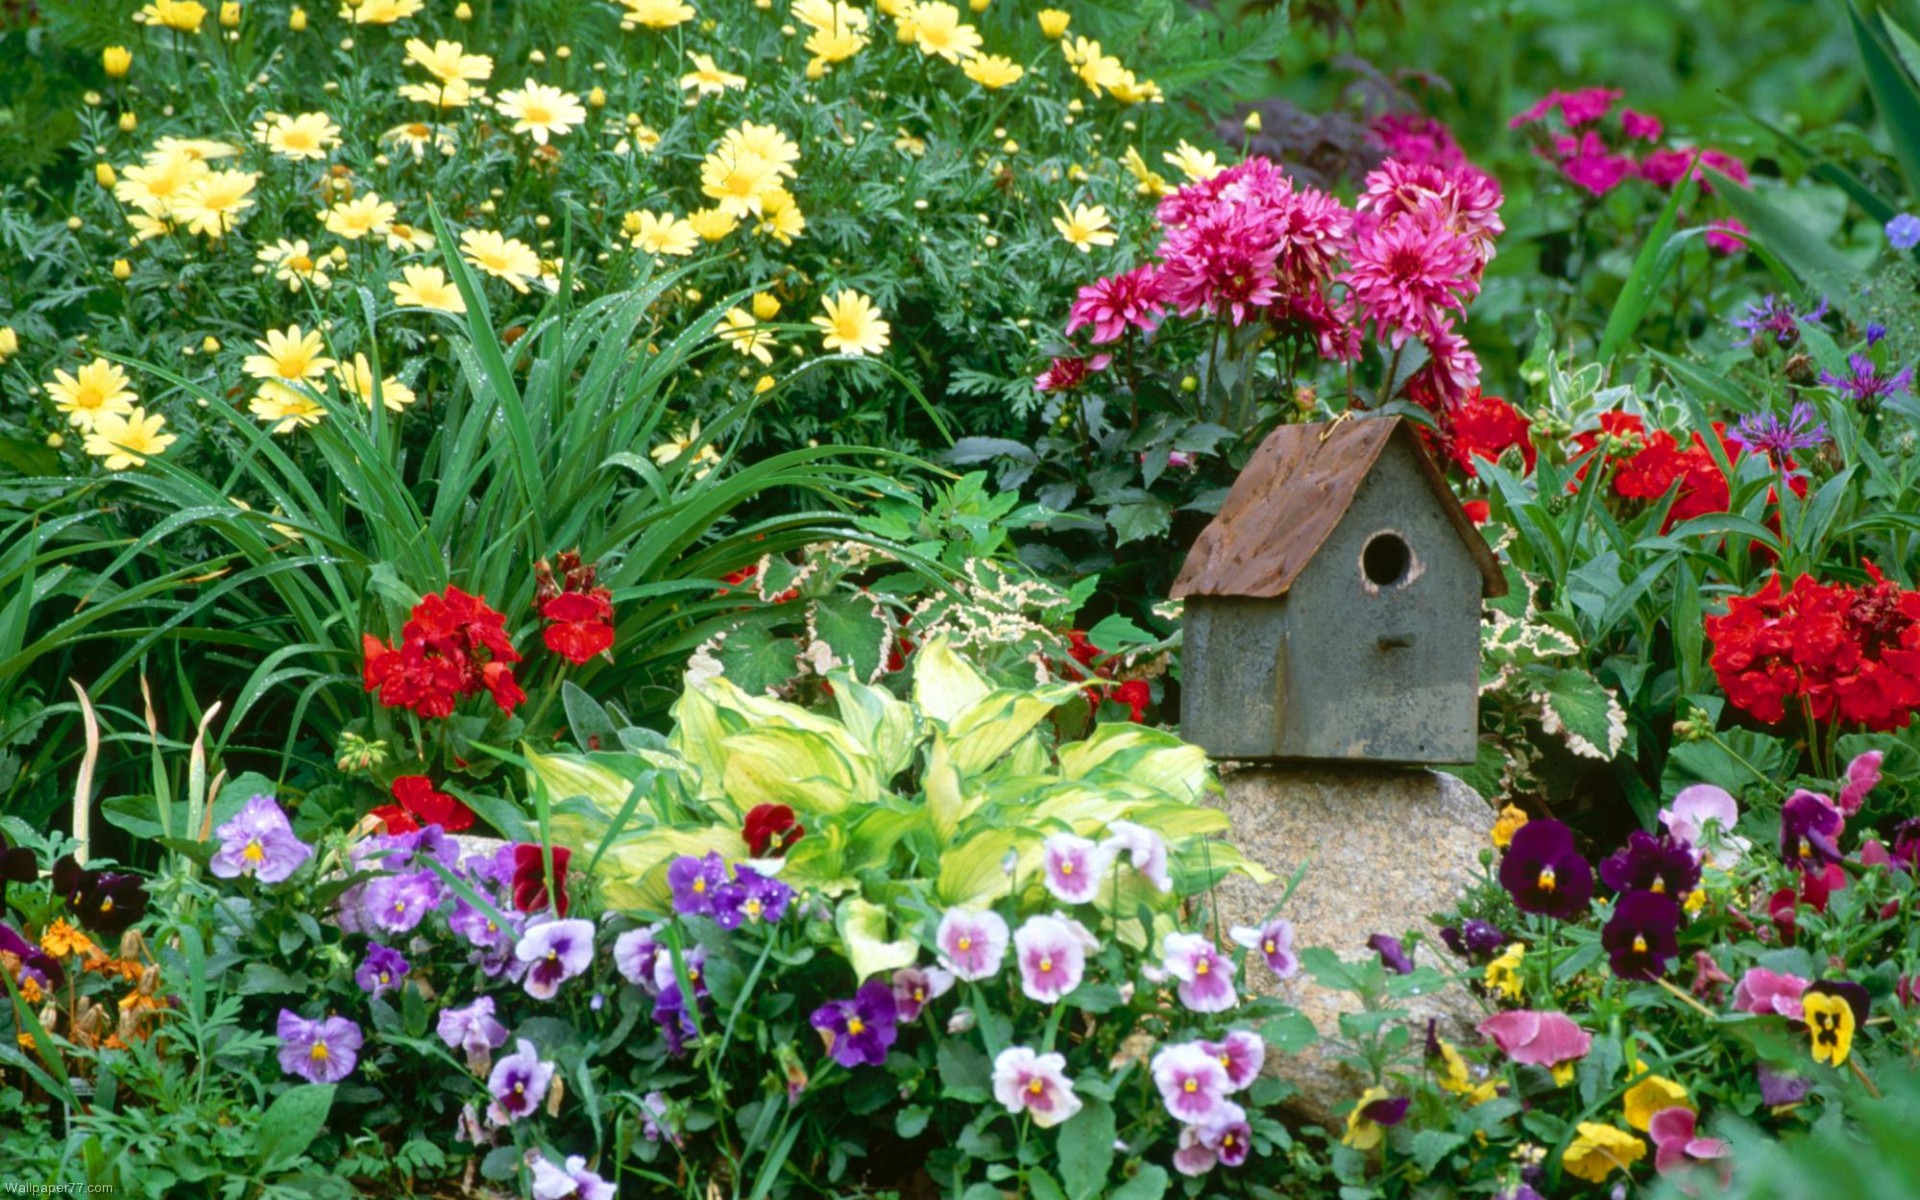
x=1384 y=848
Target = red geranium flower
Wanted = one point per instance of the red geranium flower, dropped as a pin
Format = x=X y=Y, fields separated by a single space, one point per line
x=771 y=828
x=530 y=878
x=418 y=805
x=581 y=624
x=452 y=645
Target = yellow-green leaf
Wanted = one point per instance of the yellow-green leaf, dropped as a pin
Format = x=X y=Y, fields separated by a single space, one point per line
x=943 y=685
x=863 y=931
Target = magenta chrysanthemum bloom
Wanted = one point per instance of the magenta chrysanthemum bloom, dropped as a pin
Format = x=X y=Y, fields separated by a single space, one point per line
x=1641 y=127
x=554 y=951
x=1313 y=228
x=1205 y=975
x=1075 y=868
x=324 y=1051
x=1464 y=201
x=1225 y=264
x=1406 y=274
x=1452 y=370
x=1330 y=326
x=1025 y=1082
x=1066 y=373
x=1118 y=303
x=552 y=1182
x=1274 y=941
x=1052 y=955
x=1193 y=1085
x=1241 y=1054
x=972 y=942
x=474 y=1031
x=258 y=842
x=518 y=1084
x=1145 y=850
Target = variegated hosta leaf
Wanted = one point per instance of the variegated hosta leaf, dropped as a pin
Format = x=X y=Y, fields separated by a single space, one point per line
x=884 y=725
x=988 y=728
x=863 y=931
x=944 y=686
x=795 y=767
x=1585 y=712
x=973 y=873
x=633 y=873
x=1151 y=757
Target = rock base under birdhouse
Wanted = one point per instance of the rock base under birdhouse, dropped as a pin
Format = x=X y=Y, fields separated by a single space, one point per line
x=1384 y=848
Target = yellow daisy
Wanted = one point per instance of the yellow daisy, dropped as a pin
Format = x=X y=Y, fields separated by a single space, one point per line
x=501 y=257
x=294 y=264
x=285 y=409
x=307 y=136
x=1085 y=226
x=654 y=14
x=417 y=137
x=737 y=181
x=1151 y=182
x=128 y=441
x=408 y=239
x=780 y=217
x=707 y=78
x=213 y=205
x=541 y=111
x=357 y=218
x=155 y=186
x=655 y=234
x=98 y=389
x=182 y=15
x=712 y=224
x=834 y=45
x=764 y=142
x=994 y=71
x=739 y=330
x=426 y=287
x=449 y=62
x=937 y=31
x=380 y=12
x=356 y=379
x=455 y=94
x=852 y=324
x=1053 y=22
x=289 y=354
x=204 y=149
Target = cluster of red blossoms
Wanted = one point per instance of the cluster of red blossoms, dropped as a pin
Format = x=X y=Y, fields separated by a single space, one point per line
x=1849 y=654
x=1134 y=693
x=417 y=805
x=452 y=645
x=578 y=612
x=1646 y=465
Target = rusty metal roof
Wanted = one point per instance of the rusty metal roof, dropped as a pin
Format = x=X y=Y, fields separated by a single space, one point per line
x=1290 y=498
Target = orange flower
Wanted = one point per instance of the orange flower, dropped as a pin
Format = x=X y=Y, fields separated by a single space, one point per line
x=62 y=940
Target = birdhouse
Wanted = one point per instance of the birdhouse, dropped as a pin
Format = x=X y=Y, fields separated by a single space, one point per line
x=1333 y=605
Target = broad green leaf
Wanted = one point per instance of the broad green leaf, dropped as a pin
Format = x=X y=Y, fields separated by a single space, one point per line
x=853 y=628
x=1894 y=94
x=569 y=775
x=878 y=721
x=291 y=1123
x=947 y=804
x=1086 y=1150
x=988 y=728
x=971 y=873
x=1650 y=269
x=1578 y=707
x=793 y=767
x=863 y=931
x=943 y=685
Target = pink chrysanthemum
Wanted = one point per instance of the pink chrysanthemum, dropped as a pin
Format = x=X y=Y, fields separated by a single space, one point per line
x=1065 y=374
x=1314 y=228
x=1464 y=201
x=1119 y=302
x=1310 y=315
x=1225 y=262
x=1418 y=138
x=1452 y=370
x=1406 y=274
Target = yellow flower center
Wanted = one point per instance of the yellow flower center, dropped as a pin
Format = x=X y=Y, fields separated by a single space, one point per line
x=399 y=906
x=1036 y=1087
x=552 y=955
x=519 y=1088
x=752 y=907
x=699 y=886
x=253 y=853
x=1046 y=966
x=1639 y=944
x=106 y=906
x=1202 y=967
x=855 y=1026
x=1270 y=946
x=385 y=978
x=1546 y=879
x=319 y=1052
x=1191 y=1086
x=1659 y=885
x=966 y=943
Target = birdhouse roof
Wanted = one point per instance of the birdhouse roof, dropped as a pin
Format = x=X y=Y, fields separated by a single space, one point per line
x=1292 y=496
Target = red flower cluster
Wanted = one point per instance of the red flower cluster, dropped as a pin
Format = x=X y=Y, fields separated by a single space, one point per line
x=1134 y=693
x=417 y=804
x=452 y=645
x=1477 y=426
x=1852 y=654
x=578 y=612
x=1646 y=465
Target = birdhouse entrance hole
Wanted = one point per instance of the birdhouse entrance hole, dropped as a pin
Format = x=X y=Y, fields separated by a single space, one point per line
x=1385 y=559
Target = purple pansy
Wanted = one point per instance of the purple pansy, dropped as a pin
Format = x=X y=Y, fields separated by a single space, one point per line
x=1393 y=955
x=554 y=951
x=323 y=1051
x=635 y=954
x=972 y=942
x=1643 y=935
x=859 y=1031
x=1224 y=1141
x=1274 y=941
x=693 y=962
x=915 y=987
x=1145 y=850
x=656 y=1119
x=1205 y=975
x=473 y=1031
x=1075 y=867
x=1051 y=952
x=1779 y=1088
x=518 y=1084
x=396 y=904
x=1036 y=1084
x=1474 y=938
x=382 y=970
x=1810 y=828
x=694 y=882
x=1544 y=872
x=750 y=897
x=552 y=1182
x=1241 y=1054
x=1192 y=1082
x=675 y=1022
x=258 y=842
x=1652 y=863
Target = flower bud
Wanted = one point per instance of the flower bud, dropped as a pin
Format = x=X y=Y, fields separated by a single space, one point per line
x=210 y=344
x=1252 y=122
x=103 y=174
x=597 y=98
x=230 y=15
x=463 y=12
x=55 y=440
x=128 y=122
x=297 y=19
x=116 y=61
x=122 y=270
x=960 y=1022
x=9 y=342
x=1190 y=384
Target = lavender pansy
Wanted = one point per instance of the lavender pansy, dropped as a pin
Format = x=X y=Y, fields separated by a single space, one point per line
x=694 y=882
x=972 y=942
x=1035 y=1084
x=750 y=897
x=859 y=1031
x=552 y=1182
x=554 y=951
x=1144 y=849
x=382 y=970
x=1051 y=952
x=1075 y=867
x=915 y=987
x=473 y=1031
x=635 y=955
x=518 y=1084
x=396 y=904
x=1192 y=1081
x=1241 y=1055
x=1205 y=975
x=1274 y=941
x=258 y=842
x=323 y=1051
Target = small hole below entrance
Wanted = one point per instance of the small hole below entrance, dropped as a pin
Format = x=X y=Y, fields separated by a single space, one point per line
x=1385 y=559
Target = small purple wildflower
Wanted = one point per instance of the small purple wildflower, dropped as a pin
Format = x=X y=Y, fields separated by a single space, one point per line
x=324 y=1051
x=694 y=882
x=1393 y=955
x=750 y=897
x=1875 y=331
x=1765 y=433
x=1903 y=231
x=1865 y=385
x=1776 y=317
x=858 y=1031
x=1474 y=939
x=382 y=970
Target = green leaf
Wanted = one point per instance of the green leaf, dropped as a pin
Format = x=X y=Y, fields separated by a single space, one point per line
x=1086 y=1150
x=1578 y=707
x=755 y=658
x=911 y=1122
x=1290 y=1034
x=863 y=930
x=1432 y=1145
x=1650 y=269
x=1894 y=94
x=1140 y=520
x=1043 y=1185
x=853 y=628
x=290 y=1124
x=1149 y=1184
x=966 y=1074
x=1806 y=254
